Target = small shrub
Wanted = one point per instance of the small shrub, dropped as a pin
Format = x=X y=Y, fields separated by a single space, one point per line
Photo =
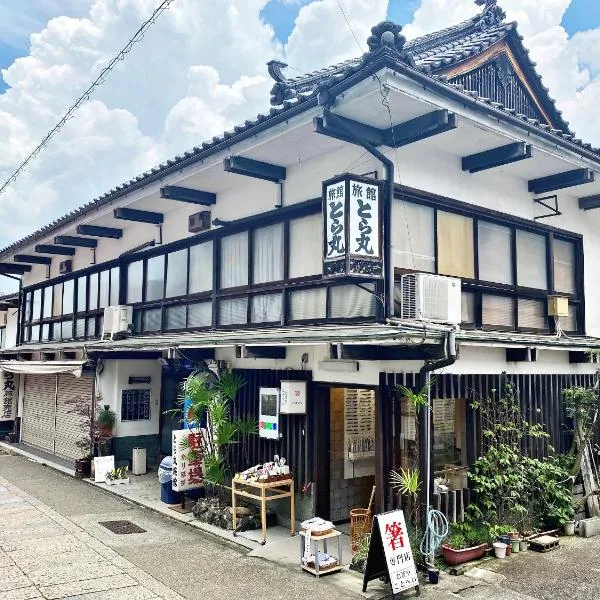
x=457 y=541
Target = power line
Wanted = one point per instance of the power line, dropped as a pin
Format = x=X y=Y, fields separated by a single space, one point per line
x=349 y=26
x=137 y=37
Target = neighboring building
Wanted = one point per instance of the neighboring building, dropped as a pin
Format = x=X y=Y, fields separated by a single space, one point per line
x=220 y=253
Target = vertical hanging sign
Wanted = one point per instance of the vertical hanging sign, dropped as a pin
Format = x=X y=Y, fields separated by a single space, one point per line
x=352 y=232
x=9 y=396
x=188 y=450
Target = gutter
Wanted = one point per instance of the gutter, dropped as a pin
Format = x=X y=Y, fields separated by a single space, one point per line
x=328 y=117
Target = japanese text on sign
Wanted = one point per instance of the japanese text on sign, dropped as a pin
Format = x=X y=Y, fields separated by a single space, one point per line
x=188 y=471
x=398 y=554
x=364 y=219
x=335 y=220
x=9 y=389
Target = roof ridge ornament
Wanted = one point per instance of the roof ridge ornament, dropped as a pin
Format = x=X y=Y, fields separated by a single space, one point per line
x=386 y=38
x=492 y=14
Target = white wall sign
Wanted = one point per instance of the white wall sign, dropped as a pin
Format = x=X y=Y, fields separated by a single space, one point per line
x=268 y=413
x=187 y=474
x=293 y=398
x=335 y=220
x=364 y=219
x=102 y=466
x=10 y=386
x=398 y=554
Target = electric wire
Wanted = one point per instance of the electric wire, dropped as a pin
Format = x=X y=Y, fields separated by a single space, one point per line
x=85 y=96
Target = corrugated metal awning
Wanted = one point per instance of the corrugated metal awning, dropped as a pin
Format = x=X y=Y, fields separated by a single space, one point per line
x=43 y=367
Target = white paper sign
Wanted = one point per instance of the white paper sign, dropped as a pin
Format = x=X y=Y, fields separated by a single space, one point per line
x=102 y=466
x=364 y=219
x=335 y=224
x=187 y=474
x=398 y=554
x=10 y=386
x=292 y=400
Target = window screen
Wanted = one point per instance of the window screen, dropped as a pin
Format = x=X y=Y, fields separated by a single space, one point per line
x=532 y=314
x=266 y=308
x=531 y=260
x=268 y=254
x=134 y=282
x=233 y=311
x=564 y=266
x=455 y=245
x=201 y=268
x=468 y=308
x=350 y=301
x=497 y=311
x=413 y=236
x=177 y=269
x=155 y=278
x=495 y=253
x=308 y=304
x=306 y=246
x=234 y=260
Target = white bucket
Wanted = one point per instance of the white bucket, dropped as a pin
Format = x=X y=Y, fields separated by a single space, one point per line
x=500 y=549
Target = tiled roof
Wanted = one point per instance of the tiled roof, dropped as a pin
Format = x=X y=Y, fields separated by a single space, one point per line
x=429 y=55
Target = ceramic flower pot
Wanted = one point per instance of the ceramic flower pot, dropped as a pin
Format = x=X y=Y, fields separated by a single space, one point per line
x=457 y=557
x=515 y=546
x=500 y=549
x=569 y=527
x=523 y=545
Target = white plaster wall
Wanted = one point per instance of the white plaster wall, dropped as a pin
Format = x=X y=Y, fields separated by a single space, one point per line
x=10 y=340
x=115 y=378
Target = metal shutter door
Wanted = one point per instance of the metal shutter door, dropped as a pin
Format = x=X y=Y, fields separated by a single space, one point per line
x=39 y=411
x=71 y=427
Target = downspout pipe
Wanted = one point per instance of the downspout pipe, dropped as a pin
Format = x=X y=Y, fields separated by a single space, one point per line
x=331 y=119
x=425 y=445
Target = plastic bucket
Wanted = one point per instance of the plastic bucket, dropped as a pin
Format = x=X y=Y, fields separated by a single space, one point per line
x=167 y=494
x=500 y=549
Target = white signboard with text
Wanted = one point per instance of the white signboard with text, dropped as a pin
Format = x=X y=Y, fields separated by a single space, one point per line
x=335 y=220
x=364 y=219
x=188 y=472
x=10 y=387
x=398 y=554
x=102 y=466
x=292 y=400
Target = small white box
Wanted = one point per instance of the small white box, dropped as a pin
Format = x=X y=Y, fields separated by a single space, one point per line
x=292 y=400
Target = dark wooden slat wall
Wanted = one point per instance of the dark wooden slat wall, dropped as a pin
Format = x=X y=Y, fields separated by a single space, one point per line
x=295 y=429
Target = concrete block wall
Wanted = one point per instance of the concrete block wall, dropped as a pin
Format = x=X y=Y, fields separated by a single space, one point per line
x=344 y=494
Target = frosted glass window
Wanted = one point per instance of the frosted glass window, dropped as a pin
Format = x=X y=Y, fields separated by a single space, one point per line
x=45 y=332
x=531 y=260
x=468 y=308
x=455 y=245
x=68 y=296
x=47 y=309
x=93 y=291
x=151 y=319
x=532 y=314
x=233 y=312
x=37 y=305
x=495 y=254
x=413 y=236
x=82 y=294
x=135 y=276
x=266 y=309
x=268 y=254
x=200 y=314
x=201 y=268
x=67 y=330
x=306 y=246
x=570 y=323
x=114 y=286
x=308 y=304
x=104 y=289
x=155 y=278
x=175 y=316
x=564 y=266
x=35 y=333
x=177 y=268
x=80 y=328
x=57 y=300
x=351 y=302
x=498 y=311
x=234 y=260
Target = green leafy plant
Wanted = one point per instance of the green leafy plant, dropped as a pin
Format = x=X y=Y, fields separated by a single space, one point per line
x=474 y=533
x=405 y=482
x=118 y=473
x=457 y=541
x=107 y=417
x=418 y=399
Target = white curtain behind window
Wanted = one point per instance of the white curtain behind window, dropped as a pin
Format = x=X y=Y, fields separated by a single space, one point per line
x=201 y=268
x=413 y=236
x=233 y=312
x=306 y=246
x=531 y=260
x=564 y=266
x=268 y=254
x=495 y=253
x=234 y=260
x=497 y=311
x=350 y=301
x=266 y=309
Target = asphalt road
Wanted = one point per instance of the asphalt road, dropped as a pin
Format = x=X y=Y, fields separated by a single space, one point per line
x=53 y=546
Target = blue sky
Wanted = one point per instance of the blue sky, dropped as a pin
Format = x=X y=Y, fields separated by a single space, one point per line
x=281 y=14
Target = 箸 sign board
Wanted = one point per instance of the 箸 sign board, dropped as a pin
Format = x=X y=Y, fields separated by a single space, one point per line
x=390 y=553
x=102 y=466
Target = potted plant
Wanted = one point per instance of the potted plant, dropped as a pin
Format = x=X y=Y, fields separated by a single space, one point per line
x=106 y=419
x=118 y=475
x=83 y=466
x=466 y=542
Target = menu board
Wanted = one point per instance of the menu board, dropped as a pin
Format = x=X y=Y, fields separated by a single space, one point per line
x=135 y=404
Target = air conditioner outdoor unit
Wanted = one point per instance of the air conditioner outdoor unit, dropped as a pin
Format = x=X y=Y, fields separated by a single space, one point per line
x=117 y=321
x=427 y=297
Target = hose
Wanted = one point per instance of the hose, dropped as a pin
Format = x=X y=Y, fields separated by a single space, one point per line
x=435 y=532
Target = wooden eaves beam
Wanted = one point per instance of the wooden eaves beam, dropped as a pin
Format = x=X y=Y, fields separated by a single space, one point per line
x=560 y=181
x=71 y=240
x=53 y=249
x=32 y=259
x=140 y=216
x=254 y=168
x=14 y=269
x=589 y=202
x=97 y=231
x=496 y=157
x=182 y=194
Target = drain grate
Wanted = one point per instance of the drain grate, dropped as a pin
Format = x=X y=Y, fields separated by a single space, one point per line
x=122 y=527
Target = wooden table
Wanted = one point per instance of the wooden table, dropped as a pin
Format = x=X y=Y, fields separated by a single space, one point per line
x=315 y=539
x=263 y=492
